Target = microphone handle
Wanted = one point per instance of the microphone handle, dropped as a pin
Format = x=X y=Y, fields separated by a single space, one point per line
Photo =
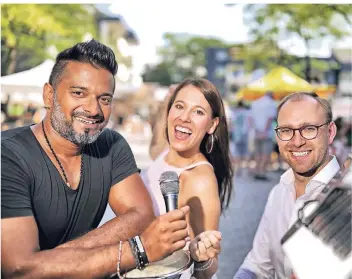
x=171 y=201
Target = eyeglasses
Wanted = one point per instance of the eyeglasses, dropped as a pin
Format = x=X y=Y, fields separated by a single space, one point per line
x=307 y=132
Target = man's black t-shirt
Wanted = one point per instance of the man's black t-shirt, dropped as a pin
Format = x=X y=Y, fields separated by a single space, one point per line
x=32 y=186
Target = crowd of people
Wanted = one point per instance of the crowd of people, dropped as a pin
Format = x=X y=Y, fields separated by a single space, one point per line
x=59 y=175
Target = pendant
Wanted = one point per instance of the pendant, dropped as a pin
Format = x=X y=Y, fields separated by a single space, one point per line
x=68 y=184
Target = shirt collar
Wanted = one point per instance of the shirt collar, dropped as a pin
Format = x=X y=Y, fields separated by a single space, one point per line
x=322 y=177
x=328 y=172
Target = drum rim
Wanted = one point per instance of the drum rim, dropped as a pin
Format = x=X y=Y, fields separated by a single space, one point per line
x=187 y=266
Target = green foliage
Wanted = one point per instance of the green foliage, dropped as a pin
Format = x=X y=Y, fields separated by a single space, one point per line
x=309 y=22
x=183 y=55
x=158 y=73
x=28 y=29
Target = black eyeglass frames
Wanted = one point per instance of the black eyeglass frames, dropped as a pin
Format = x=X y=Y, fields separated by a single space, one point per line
x=307 y=132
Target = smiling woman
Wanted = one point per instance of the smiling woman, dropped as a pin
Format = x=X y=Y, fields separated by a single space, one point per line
x=198 y=152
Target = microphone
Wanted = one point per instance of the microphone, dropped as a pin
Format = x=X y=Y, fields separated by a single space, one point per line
x=169 y=186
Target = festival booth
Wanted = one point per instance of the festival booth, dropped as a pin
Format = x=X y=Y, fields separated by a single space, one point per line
x=27 y=86
x=281 y=81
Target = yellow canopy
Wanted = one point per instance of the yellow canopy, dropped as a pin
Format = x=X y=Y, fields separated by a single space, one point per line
x=282 y=82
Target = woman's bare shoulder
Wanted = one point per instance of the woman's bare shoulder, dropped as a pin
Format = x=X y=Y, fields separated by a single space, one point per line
x=199 y=178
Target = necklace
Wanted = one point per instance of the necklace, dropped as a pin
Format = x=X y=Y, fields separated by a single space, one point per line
x=58 y=161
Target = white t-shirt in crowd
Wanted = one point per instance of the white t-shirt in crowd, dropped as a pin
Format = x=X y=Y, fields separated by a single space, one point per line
x=261 y=110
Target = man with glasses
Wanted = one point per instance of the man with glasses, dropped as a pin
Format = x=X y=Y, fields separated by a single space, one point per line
x=304 y=132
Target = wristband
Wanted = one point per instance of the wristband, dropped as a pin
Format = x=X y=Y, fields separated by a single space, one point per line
x=204 y=265
x=139 y=253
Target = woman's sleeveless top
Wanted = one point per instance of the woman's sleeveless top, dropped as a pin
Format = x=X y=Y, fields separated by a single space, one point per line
x=152 y=175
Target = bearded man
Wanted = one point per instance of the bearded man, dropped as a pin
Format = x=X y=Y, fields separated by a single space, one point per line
x=58 y=176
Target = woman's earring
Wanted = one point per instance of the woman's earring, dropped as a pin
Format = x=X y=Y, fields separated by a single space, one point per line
x=209 y=150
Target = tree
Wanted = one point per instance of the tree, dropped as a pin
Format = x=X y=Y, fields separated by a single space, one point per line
x=158 y=73
x=309 y=22
x=27 y=30
x=182 y=55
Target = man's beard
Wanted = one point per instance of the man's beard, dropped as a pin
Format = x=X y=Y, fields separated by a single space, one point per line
x=65 y=128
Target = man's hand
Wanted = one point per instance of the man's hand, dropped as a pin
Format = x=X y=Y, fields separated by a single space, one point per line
x=166 y=234
x=205 y=246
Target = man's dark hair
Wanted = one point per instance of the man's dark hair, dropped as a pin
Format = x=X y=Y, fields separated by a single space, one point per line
x=92 y=52
x=299 y=96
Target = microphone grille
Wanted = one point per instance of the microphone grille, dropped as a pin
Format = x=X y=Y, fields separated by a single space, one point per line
x=169 y=182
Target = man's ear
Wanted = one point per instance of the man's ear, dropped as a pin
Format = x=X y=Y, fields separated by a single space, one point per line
x=215 y=123
x=48 y=95
x=332 y=131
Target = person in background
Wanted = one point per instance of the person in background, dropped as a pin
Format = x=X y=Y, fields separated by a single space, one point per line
x=58 y=176
x=304 y=132
x=31 y=109
x=278 y=164
x=158 y=142
x=198 y=138
x=240 y=126
x=263 y=113
x=339 y=146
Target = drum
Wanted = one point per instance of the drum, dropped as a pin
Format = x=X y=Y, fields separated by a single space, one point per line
x=178 y=265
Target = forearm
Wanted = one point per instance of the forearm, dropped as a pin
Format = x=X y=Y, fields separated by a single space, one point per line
x=125 y=226
x=72 y=263
x=209 y=272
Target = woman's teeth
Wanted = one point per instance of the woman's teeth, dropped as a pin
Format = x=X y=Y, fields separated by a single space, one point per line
x=183 y=130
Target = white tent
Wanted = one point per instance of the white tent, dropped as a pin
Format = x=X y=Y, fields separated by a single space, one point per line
x=31 y=80
x=27 y=85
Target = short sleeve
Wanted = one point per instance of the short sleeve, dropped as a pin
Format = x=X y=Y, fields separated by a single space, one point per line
x=15 y=186
x=124 y=163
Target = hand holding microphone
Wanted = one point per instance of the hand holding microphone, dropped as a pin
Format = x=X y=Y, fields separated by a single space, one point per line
x=204 y=246
x=168 y=232
x=169 y=186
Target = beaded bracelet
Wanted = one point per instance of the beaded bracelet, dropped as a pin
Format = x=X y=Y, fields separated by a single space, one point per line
x=204 y=266
x=118 y=270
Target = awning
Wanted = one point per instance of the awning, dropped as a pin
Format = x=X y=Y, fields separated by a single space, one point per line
x=281 y=81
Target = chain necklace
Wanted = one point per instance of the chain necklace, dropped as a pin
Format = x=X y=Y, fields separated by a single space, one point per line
x=58 y=161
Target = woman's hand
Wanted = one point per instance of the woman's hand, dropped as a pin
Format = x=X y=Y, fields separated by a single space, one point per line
x=205 y=246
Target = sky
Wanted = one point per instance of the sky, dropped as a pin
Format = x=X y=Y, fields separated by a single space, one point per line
x=194 y=17
x=151 y=19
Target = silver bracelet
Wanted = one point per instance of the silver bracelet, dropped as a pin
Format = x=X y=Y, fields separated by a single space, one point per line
x=204 y=266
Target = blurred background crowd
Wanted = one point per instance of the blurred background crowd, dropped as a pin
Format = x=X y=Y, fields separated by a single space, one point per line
x=285 y=48
x=33 y=34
